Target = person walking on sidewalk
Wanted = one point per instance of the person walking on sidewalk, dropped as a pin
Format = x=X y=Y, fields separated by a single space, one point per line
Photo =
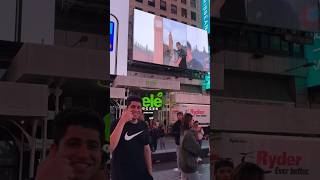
x=199 y=132
x=161 y=137
x=189 y=150
x=154 y=133
x=129 y=145
x=176 y=133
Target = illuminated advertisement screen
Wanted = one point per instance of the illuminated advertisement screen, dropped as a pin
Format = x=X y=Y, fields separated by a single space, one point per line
x=111 y=36
x=162 y=41
x=153 y=101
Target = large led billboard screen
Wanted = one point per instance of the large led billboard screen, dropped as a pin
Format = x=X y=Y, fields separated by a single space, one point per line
x=166 y=42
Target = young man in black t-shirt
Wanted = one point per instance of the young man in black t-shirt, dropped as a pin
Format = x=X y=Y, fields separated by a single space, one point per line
x=176 y=133
x=129 y=145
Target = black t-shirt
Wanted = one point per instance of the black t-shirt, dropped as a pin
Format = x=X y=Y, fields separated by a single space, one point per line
x=182 y=55
x=176 y=131
x=128 y=158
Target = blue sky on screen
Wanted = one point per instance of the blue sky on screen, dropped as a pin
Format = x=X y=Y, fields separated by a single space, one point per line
x=144 y=29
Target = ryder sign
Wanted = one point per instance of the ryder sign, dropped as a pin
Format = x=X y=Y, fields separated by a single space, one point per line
x=284 y=158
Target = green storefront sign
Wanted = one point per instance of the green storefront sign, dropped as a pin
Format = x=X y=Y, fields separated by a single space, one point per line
x=312 y=54
x=153 y=102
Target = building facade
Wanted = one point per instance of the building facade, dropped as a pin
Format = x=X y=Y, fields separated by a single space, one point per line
x=265 y=94
x=51 y=59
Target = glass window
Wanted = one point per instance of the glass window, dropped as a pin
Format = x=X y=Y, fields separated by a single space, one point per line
x=151 y=3
x=139 y=1
x=163 y=16
x=275 y=43
x=297 y=49
x=173 y=9
x=253 y=41
x=184 y=12
x=184 y=1
x=193 y=3
x=264 y=41
x=285 y=47
x=193 y=16
x=163 y=5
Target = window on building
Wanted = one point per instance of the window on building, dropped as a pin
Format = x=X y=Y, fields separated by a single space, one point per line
x=253 y=40
x=184 y=1
x=151 y=12
x=139 y=8
x=193 y=3
x=151 y=3
x=174 y=19
x=184 y=12
x=264 y=41
x=173 y=9
x=296 y=49
x=163 y=5
x=284 y=47
x=275 y=43
x=193 y=16
x=184 y=22
x=140 y=1
x=194 y=25
x=163 y=16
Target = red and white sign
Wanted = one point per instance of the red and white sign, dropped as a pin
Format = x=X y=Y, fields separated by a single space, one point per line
x=285 y=158
x=200 y=112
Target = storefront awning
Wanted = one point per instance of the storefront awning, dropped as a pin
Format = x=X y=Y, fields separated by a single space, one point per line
x=19 y=99
x=148 y=83
x=41 y=61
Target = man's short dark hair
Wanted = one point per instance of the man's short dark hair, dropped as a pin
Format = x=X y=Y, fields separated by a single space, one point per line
x=185 y=125
x=188 y=45
x=179 y=113
x=178 y=43
x=222 y=163
x=79 y=116
x=248 y=171
x=133 y=98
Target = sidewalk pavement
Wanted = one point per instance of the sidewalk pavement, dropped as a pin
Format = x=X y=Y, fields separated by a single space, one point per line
x=173 y=174
x=171 y=145
x=169 y=154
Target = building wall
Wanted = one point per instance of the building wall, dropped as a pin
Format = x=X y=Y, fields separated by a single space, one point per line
x=178 y=17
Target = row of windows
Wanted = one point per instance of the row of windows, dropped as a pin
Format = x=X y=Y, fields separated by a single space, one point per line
x=184 y=11
x=193 y=3
x=258 y=42
x=167 y=17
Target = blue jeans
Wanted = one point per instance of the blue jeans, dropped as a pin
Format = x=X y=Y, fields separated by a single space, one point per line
x=190 y=176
